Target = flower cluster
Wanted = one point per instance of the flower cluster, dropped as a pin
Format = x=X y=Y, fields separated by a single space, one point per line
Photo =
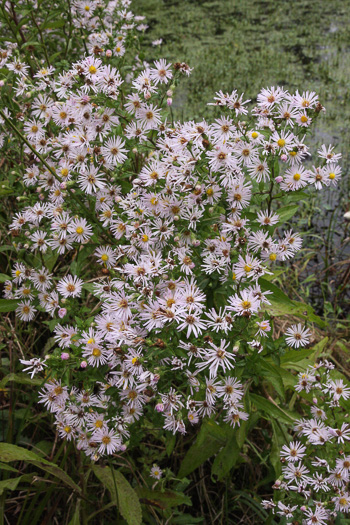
x=316 y=466
x=149 y=237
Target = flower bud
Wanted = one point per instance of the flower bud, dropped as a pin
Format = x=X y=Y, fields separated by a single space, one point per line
x=314 y=400
x=284 y=157
x=63 y=185
x=108 y=53
x=169 y=93
x=196 y=243
x=279 y=179
x=83 y=364
x=62 y=312
x=303 y=508
x=159 y=407
x=147 y=95
x=2 y=83
x=64 y=356
x=169 y=101
x=176 y=218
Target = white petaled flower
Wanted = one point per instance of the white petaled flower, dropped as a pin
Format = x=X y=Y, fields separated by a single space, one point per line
x=25 y=311
x=293 y=452
x=70 y=286
x=217 y=356
x=106 y=256
x=33 y=366
x=156 y=472
x=297 y=336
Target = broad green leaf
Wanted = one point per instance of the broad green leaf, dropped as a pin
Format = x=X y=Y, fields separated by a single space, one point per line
x=3 y=466
x=278 y=440
x=164 y=500
x=287 y=213
x=170 y=444
x=301 y=359
x=76 y=516
x=8 y=305
x=271 y=409
x=54 y=25
x=281 y=304
x=272 y=374
x=21 y=379
x=12 y=483
x=210 y=439
x=226 y=458
x=4 y=277
x=125 y=498
x=10 y=453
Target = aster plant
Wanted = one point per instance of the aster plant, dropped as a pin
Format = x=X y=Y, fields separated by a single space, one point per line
x=148 y=246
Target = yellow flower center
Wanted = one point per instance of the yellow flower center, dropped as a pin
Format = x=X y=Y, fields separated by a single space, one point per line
x=145 y=237
x=98 y=423
x=104 y=257
x=64 y=172
x=67 y=429
x=255 y=135
x=281 y=143
x=118 y=49
x=272 y=256
x=331 y=176
x=210 y=192
x=247 y=268
x=92 y=70
x=296 y=176
x=79 y=230
x=90 y=341
x=35 y=129
x=246 y=304
x=18 y=273
x=96 y=352
x=303 y=118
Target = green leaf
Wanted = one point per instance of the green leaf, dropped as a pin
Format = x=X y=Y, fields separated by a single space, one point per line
x=3 y=466
x=210 y=439
x=163 y=499
x=278 y=440
x=281 y=304
x=76 y=516
x=170 y=444
x=12 y=483
x=10 y=453
x=8 y=305
x=287 y=213
x=301 y=359
x=54 y=25
x=271 y=409
x=125 y=498
x=226 y=459
x=272 y=374
x=22 y=379
x=4 y=278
